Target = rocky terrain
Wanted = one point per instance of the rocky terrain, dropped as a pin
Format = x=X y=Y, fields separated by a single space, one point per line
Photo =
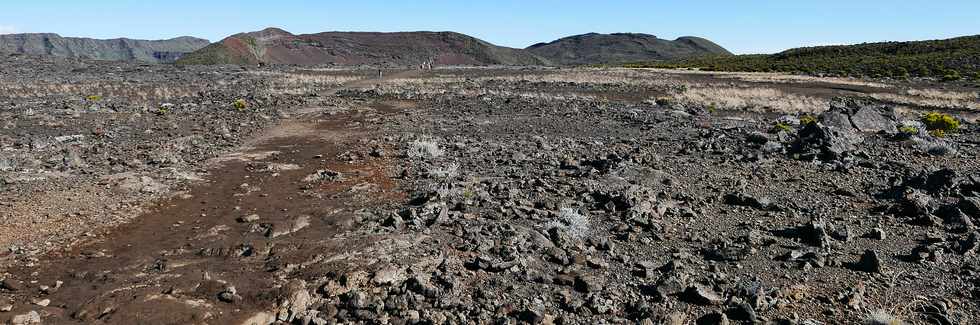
x=121 y=49
x=315 y=195
x=596 y=48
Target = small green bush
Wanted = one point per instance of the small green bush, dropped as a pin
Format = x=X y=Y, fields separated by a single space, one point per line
x=901 y=73
x=808 y=120
x=908 y=130
x=240 y=104
x=781 y=126
x=952 y=75
x=93 y=98
x=936 y=121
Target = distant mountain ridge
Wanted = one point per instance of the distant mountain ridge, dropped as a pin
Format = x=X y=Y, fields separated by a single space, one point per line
x=277 y=46
x=594 y=48
x=120 y=49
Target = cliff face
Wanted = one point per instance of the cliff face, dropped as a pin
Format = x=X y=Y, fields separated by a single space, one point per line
x=121 y=49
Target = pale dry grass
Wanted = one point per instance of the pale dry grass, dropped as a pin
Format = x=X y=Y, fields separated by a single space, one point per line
x=683 y=92
x=749 y=99
x=294 y=83
x=22 y=90
x=593 y=76
x=790 y=79
x=934 y=98
x=276 y=83
x=572 y=222
x=775 y=77
x=408 y=87
x=425 y=148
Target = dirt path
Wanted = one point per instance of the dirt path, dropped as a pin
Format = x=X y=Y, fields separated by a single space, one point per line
x=265 y=214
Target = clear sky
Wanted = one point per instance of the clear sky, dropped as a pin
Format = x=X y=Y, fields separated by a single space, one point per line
x=742 y=26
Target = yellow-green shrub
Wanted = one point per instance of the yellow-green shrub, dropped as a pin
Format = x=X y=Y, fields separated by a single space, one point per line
x=808 y=120
x=936 y=121
x=240 y=104
x=908 y=130
x=781 y=126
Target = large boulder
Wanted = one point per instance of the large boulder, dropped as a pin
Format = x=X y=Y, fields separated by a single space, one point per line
x=827 y=143
x=840 y=129
x=860 y=115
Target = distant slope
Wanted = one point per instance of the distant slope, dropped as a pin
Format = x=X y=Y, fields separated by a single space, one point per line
x=949 y=59
x=276 y=46
x=122 y=49
x=622 y=48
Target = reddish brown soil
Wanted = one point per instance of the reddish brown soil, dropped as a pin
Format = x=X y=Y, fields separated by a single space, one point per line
x=167 y=266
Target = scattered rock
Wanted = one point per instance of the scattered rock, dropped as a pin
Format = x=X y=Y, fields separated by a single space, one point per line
x=698 y=294
x=876 y=233
x=714 y=318
x=229 y=295
x=742 y=199
x=870 y=262
x=249 y=218
x=323 y=175
x=11 y=285
x=585 y=283
x=297 y=299
x=289 y=227
x=31 y=317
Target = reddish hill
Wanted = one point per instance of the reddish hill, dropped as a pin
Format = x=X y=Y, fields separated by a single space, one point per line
x=616 y=48
x=276 y=46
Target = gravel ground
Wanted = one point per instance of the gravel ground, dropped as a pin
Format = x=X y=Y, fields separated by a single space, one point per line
x=495 y=195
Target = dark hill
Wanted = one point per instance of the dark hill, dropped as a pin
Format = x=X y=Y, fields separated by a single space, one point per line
x=949 y=59
x=622 y=48
x=276 y=46
x=121 y=49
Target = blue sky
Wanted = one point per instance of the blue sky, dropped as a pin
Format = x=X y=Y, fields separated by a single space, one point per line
x=746 y=26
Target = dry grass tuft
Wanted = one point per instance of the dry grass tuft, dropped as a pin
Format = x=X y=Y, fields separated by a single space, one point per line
x=934 y=98
x=749 y=99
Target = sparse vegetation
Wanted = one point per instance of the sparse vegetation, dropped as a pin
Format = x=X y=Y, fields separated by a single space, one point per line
x=164 y=108
x=939 y=124
x=881 y=317
x=424 y=148
x=908 y=130
x=663 y=101
x=572 y=222
x=93 y=98
x=942 y=99
x=240 y=104
x=808 y=119
x=748 y=99
x=781 y=127
x=947 y=60
x=450 y=171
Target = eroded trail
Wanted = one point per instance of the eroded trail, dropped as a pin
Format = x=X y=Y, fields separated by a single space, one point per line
x=265 y=214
